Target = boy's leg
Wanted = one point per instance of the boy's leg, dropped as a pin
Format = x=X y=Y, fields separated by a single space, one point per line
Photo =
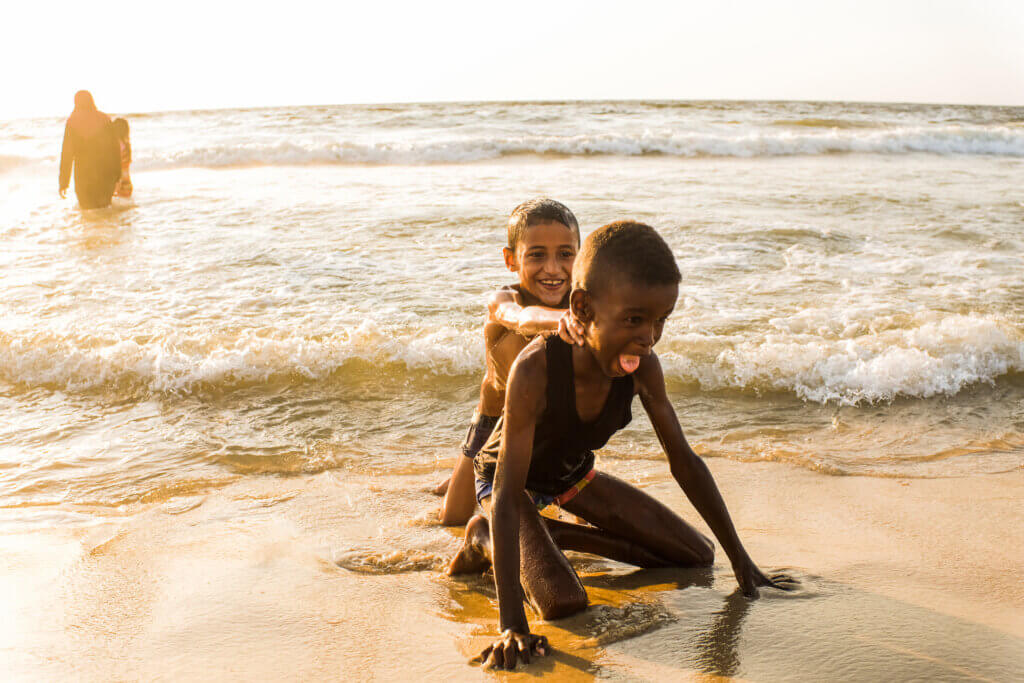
x=630 y=515
x=549 y=582
x=589 y=539
x=460 y=498
x=474 y=557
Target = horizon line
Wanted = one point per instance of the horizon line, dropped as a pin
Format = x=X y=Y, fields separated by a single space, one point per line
x=540 y=101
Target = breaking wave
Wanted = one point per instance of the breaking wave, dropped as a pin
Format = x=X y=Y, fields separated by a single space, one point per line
x=922 y=358
x=757 y=142
x=926 y=356
x=184 y=363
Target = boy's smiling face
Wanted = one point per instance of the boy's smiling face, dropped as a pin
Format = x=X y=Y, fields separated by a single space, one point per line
x=543 y=260
x=623 y=321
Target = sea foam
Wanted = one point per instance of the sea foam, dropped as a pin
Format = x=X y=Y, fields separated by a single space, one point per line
x=924 y=358
x=182 y=363
x=928 y=355
x=751 y=142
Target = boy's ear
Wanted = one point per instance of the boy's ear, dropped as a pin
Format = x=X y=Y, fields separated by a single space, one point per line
x=579 y=303
x=510 y=259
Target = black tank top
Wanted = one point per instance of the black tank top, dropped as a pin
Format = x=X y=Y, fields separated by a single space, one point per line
x=563 y=445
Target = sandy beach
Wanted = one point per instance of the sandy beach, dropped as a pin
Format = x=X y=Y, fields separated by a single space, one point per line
x=900 y=579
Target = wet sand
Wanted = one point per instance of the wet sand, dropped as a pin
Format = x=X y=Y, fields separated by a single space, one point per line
x=900 y=579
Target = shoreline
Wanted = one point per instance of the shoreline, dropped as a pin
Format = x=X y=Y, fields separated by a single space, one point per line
x=897 y=579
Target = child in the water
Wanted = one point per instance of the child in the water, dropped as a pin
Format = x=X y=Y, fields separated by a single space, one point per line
x=564 y=401
x=124 y=185
x=543 y=237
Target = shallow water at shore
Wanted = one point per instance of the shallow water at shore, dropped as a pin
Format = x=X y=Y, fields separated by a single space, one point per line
x=314 y=334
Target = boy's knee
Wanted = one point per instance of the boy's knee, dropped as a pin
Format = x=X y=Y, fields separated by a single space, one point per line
x=705 y=552
x=453 y=518
x=565 y=605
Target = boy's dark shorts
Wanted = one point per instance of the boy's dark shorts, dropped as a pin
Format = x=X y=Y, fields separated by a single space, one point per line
x=485 y=488
x=479 y=431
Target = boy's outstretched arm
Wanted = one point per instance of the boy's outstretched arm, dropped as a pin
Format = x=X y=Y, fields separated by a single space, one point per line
x=526 y=386
x=504 y=307
x=693 y=475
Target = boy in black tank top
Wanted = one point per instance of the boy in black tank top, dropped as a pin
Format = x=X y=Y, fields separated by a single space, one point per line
x=562 y=402
x=543 y=238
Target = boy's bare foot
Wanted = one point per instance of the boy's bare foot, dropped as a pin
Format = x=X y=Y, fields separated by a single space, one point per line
x=441 y=488
x=471 y=558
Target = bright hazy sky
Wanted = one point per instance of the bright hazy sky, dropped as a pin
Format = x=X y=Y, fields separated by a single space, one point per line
x=149 y=56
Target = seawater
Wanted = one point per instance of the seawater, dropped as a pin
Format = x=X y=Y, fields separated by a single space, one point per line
x=301 y=289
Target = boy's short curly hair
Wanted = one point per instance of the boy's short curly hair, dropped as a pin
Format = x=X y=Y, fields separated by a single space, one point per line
x=535 y=211
x=627 y=248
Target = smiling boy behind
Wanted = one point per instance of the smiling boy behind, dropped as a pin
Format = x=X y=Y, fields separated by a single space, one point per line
x=543 y=238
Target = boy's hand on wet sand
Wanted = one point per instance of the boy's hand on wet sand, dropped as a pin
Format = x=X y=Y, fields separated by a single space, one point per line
x=512 y=647
x=750 y=578
x=570 y=329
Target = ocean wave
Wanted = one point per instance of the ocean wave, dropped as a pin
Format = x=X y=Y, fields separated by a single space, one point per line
x=184 y=364
x=949 y=140
x=863 y=362
x=826 y=123
x=925 y=357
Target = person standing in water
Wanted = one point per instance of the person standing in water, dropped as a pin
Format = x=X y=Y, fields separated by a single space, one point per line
x=91 y=146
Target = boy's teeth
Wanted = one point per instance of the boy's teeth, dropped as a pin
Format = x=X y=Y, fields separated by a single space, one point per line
x=628 y=362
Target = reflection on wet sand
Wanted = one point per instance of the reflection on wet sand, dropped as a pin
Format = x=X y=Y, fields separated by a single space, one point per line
x=718 y=648
x=684 y=624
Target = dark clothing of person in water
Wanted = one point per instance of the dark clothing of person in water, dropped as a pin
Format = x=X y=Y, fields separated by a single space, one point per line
x=91 y=147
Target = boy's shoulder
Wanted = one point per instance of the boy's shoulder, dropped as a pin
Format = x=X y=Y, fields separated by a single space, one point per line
x=649 y=378
x=531 y=364
x=507 y=293
x=536 y=350
x=493 y=329
x=502 y=295
x=503 y=346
